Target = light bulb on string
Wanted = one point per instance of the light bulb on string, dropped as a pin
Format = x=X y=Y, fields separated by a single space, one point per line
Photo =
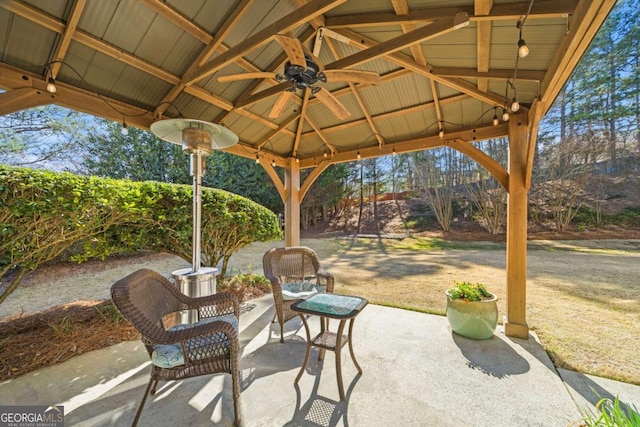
x=273 y=162
x=496 y=122
x=441 y=133
x=51 y=85
x=125 y=129
x=523 y=49
x=257 y=158
x=358 y=154
x=505 y=115
x=515 y=105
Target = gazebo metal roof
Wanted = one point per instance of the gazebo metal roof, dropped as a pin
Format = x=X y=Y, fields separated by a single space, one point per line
x=443 y=65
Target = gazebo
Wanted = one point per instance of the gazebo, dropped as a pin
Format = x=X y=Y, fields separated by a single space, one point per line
x=307 y=84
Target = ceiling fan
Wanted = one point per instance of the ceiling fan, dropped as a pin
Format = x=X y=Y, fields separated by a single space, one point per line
x=303 y=71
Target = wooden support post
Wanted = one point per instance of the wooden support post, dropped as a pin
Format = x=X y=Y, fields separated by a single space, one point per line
x=292 y=203
x=515 y=323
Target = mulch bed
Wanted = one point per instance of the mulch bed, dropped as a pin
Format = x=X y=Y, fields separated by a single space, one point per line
x=58 y=334
x=30 y=342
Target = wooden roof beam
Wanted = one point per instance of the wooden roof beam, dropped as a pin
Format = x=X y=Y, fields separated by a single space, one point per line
x=483 y=35
x=427 y=71
x=67 y=35
x=287 y=23
x=213 y=45
x=526 y=75
x=468 y=135
x=508 y=11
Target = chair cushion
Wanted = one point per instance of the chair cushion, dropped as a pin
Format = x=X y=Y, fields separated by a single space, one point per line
x=171 y=356
x=298 y=290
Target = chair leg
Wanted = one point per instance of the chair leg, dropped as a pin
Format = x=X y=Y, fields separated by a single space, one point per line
x=281 y=333
x=236 y=396
x=153 y=383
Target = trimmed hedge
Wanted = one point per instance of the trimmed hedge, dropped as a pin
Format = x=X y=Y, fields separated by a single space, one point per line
x=44 y=213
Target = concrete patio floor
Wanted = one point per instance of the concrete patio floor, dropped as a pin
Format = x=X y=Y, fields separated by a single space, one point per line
x=416 y=372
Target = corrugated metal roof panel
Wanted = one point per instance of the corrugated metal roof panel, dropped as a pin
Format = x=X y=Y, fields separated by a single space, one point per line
x=57 y=8
x=129 y=25
x=28 y=52
x=96 y=16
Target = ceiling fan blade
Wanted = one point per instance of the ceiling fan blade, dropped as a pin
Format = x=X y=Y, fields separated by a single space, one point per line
x=281 y=103
x=353 y=76
x=246 y=76
x=332 y=103
x=293 y=48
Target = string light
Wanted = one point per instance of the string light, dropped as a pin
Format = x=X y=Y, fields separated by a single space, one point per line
x=297 y=160
x=441 y=133
x=523 y=49
x=393 y=152
x=496 y=122
x=505 y=114
x=51 y=85
x=325 y=153
x=515 y=105
x=257 y=158
x=125 y=129
x=359 y=156
x=273 y=162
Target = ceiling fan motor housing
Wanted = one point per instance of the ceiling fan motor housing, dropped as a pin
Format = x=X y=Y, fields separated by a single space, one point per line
x=303 y=78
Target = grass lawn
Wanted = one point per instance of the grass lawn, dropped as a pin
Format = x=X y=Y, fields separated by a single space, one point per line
x=583 y=297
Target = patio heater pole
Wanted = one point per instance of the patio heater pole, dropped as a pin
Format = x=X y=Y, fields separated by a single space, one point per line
x=198 y=138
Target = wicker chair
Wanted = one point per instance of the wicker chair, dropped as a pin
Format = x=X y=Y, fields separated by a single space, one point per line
x=290 y=268
x=145 y=298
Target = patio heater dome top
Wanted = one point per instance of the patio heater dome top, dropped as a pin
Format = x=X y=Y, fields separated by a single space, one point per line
x=194 y=134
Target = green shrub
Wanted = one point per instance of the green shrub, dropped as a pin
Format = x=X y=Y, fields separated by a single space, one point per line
x=44 y=213
x=469 y=291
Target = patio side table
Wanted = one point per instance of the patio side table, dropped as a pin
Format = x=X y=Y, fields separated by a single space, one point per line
x=330 y=306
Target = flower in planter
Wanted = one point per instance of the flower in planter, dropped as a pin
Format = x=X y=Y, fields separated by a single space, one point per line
x=469 y=291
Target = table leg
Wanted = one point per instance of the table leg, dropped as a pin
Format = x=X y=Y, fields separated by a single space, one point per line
x=338 y=358
x=306 y=356
x=323 y=328
x=353 y=357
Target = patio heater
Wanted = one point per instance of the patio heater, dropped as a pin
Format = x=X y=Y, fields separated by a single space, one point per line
x=197 y=138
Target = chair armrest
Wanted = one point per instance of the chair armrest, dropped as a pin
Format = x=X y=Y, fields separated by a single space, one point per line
x=327 y=278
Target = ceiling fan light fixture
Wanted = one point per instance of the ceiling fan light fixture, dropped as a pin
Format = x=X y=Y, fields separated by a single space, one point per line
x=51 y=85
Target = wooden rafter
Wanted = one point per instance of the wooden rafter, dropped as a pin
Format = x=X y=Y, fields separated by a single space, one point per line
x=483 y=34
x=303 y=115
x=397 y=113
x=527 y=75
x=388 y=47
x=402 y=8
x=426 y=71
x=584 y=23
x=288 y=23
x=67 y=35
x=418 y=144
x=509 y=11
x=280 y=129
x=206 y=53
